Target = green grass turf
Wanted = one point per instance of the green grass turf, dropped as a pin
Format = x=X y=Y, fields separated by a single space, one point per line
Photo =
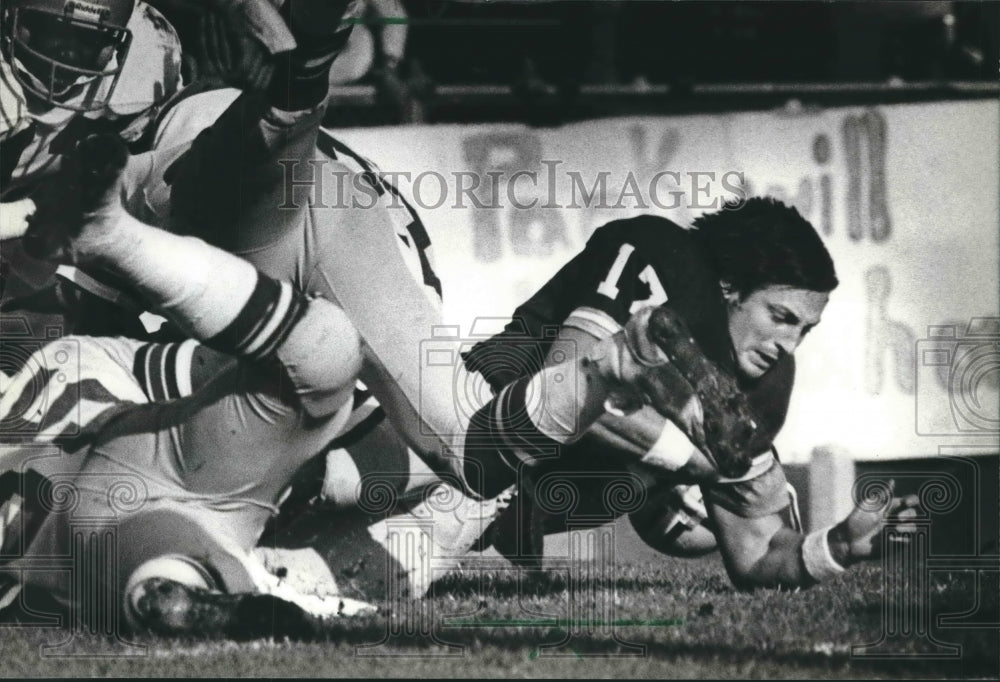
x=672 y=619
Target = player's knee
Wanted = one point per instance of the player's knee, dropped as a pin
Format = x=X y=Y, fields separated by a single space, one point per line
x=336 y=339
x=322 y=356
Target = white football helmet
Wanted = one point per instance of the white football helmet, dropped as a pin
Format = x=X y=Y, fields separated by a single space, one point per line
x=67 y=53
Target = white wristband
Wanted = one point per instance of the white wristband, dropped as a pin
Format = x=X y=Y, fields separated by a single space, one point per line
x=816 y=555
x=672 y=449
x=14 y=217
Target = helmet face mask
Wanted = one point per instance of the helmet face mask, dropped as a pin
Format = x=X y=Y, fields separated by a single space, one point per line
x=65 y=53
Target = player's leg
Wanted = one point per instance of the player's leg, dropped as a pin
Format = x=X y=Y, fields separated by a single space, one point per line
x=356 y=256
x=398 y=527
x=357 y=474
x=310 y=346
x=232 y=187
x=248 y=316
x=223 y=456
x=375 y=516
x=306 y=352
x=415 y=373
x=531 y=419
x=652 y=361
x=368 y=463
x=392 y=548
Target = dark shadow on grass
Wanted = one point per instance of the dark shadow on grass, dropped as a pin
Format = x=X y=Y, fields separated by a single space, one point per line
x=978 y=657
x=505 y=585
x=537 y=583
x=972 y=664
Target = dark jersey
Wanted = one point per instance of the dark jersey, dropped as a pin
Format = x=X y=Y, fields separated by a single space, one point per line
x=627 y=265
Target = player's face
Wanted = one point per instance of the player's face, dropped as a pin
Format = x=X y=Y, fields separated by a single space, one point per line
x=770 y=323
x=65 y=43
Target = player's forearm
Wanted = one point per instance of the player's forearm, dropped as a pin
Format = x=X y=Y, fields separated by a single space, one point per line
x=780 y=566
x=791 y=554
x=629 y=434
x=655 y=441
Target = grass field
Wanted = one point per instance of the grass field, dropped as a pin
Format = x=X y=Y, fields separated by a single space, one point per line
x=668 y=619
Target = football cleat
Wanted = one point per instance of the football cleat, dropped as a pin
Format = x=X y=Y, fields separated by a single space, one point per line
x=517 y=533
x=458 y=519
x=732 y=434
x=171 y=608
x=656 y=361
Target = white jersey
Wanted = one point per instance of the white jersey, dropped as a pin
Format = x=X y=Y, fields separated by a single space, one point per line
x=152 y=74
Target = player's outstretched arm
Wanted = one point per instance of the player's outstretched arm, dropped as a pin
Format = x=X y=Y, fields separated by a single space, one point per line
x=763 y=552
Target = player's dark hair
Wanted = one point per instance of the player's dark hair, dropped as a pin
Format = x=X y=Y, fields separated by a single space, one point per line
x=762 y=242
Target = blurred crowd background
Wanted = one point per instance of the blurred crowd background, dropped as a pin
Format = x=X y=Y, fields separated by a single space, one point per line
x=553 y=60
x=677 y=42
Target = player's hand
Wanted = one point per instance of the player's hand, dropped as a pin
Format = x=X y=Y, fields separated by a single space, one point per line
x=75 y=204
x=226 y=52
x=859 y=536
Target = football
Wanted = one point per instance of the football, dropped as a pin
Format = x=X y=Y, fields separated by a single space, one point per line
x=673 y=521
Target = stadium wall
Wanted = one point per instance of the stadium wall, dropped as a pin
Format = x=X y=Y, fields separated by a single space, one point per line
x=905 y=195
x=959 y=495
